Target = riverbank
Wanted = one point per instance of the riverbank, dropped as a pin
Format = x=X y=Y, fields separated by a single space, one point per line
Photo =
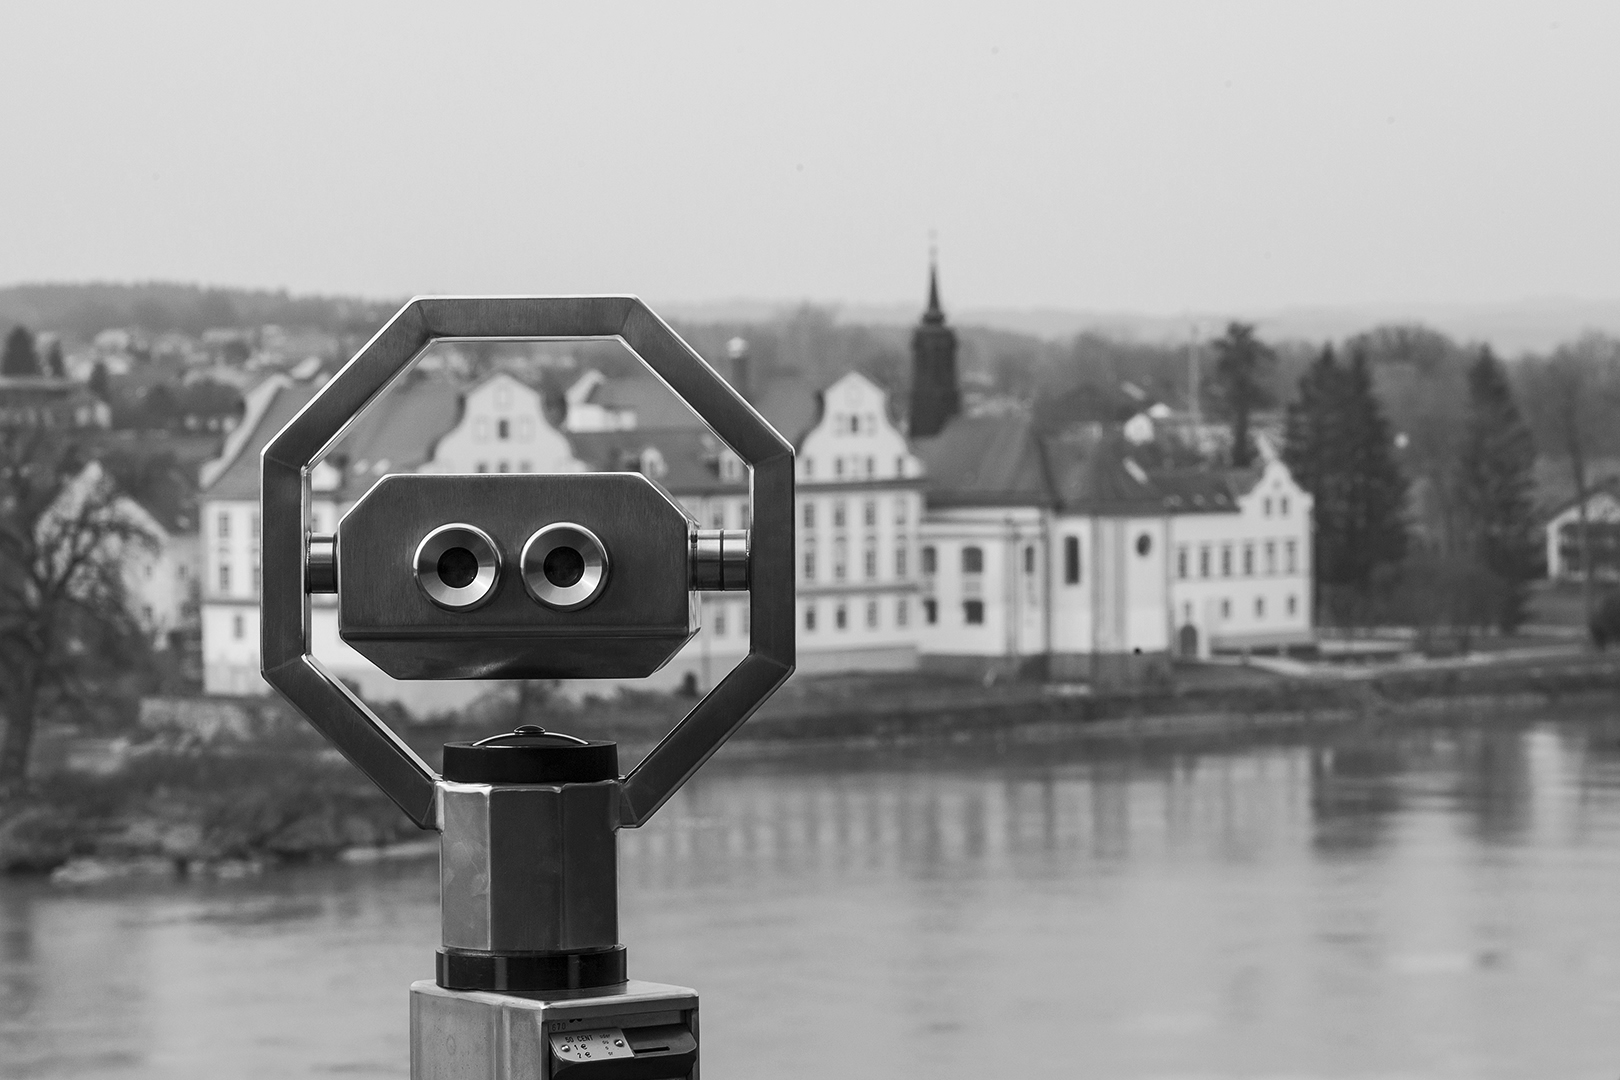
x=228 y=789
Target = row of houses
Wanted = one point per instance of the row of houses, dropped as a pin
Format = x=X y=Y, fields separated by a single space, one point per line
x=953 y=541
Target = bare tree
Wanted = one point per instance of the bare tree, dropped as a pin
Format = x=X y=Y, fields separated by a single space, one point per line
x=65 y=627
x=1570 y=398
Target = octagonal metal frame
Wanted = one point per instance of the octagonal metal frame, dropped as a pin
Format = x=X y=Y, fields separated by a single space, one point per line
x=285 y=466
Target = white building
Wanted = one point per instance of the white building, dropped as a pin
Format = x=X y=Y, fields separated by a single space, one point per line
x=156 y=561
x=1240 y=574
x=1562 y=536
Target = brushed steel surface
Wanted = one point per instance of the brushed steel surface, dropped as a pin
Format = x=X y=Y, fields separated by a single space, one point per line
x=564 y=596
x=644 y=612
x=529 y=867
x=425 y=565
x=468 y=1034
x=285 y=463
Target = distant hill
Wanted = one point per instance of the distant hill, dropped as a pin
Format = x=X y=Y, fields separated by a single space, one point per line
x=1512 y=328
x=85 y=310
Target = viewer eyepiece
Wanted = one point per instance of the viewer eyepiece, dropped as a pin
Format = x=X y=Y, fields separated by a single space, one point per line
x=564 y=566
x=457 y=566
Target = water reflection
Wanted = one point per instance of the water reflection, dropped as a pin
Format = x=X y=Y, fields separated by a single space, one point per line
x=1427 y=901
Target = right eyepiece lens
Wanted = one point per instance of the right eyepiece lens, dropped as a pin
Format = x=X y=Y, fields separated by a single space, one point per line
x=563 y=567
x=458 y=567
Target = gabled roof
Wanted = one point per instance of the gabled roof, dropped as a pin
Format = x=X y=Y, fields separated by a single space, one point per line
x=240 y=476
x=691 y=457
x=404 y=425
x=986 y=461
x=1196 y=491
x=654 y=404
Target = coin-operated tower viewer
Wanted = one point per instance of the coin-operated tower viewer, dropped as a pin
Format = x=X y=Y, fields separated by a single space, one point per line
x=572 y=576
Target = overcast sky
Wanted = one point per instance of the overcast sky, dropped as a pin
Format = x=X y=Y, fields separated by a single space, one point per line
x=1143 y=157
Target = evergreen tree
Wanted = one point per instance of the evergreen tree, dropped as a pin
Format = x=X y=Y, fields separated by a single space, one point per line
x=1243 y=366
x=19 y=357
x=1338 y=446
x=1496 y=484
x=100 y=381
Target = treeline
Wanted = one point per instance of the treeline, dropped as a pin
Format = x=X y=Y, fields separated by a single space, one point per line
x=82 y=311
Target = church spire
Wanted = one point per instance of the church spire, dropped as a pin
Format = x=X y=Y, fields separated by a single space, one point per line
x=935 y=394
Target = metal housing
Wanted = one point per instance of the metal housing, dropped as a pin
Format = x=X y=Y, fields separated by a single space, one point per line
x=286 y=462
x=644 y=613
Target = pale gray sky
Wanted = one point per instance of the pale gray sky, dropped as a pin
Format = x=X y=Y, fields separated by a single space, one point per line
x=1135 y=156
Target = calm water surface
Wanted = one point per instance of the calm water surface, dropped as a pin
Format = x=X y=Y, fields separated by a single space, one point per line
x=1442 y=902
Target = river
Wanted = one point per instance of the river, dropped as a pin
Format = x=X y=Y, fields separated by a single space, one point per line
x=1437 y=901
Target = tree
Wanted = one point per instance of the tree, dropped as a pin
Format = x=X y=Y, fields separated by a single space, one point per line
x=19 y=357
x=1338 y=446
x=54 y=364
x=1243 y=369
x=1496 y=483
x=1570 y=399
x=66 y=631
x=100 y=381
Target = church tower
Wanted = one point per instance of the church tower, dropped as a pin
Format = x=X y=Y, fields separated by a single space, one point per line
x=935 y=394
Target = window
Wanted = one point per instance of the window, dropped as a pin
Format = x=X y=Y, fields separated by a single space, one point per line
x=809 y=561
x=1259 y=607
x=1182 y=562
x=869 y=512
x=900 y=465
x=1271 y=556
x=840 y=560
x=809 y=616
x=224 y=524
x=525 y=465
x=930 y=560
x=809 y=512
x=930 y=612
x=871 y=465
x=838 y=466
x=973 y=612
x=838 y=514
x=1029 y=558
x=1226 y=560
x=871 y=614
x=870 y=561
x=1284 y=503
x=1186 y=612
x=1144 y=544
x=719 y=620
x=902 y=612
x=1293 y=604
x=238 y=627
x=841 y=617
x=505 y=466
x=1226 y=609
x=1071 y=560
x=483 y=466
x=972 y=560
x=224 y=577
x=1267 y=506
x=1291 y=556
x=809 y=468
x=1248 y=560
x=900 y=510
x=900 y=561
x=503 y=429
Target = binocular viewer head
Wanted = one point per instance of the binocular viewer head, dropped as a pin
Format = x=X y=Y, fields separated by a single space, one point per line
x=579 y=575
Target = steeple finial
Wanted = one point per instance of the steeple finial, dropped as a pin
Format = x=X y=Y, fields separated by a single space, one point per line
x=935 y=315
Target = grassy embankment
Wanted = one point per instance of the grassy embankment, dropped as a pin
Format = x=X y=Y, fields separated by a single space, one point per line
x=270 y=791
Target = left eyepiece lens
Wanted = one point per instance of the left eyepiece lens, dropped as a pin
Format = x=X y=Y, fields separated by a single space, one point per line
x=457 y=566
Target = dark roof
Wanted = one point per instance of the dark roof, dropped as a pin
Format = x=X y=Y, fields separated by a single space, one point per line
x=691 y=457
x=399 y=431
x=986 y=461
x=1099 y=479
x=1193 y=491
x=240 y=480
x=654 y=404
x=791 y=403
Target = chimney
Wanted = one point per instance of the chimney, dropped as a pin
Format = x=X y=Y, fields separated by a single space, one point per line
x=737 y=350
